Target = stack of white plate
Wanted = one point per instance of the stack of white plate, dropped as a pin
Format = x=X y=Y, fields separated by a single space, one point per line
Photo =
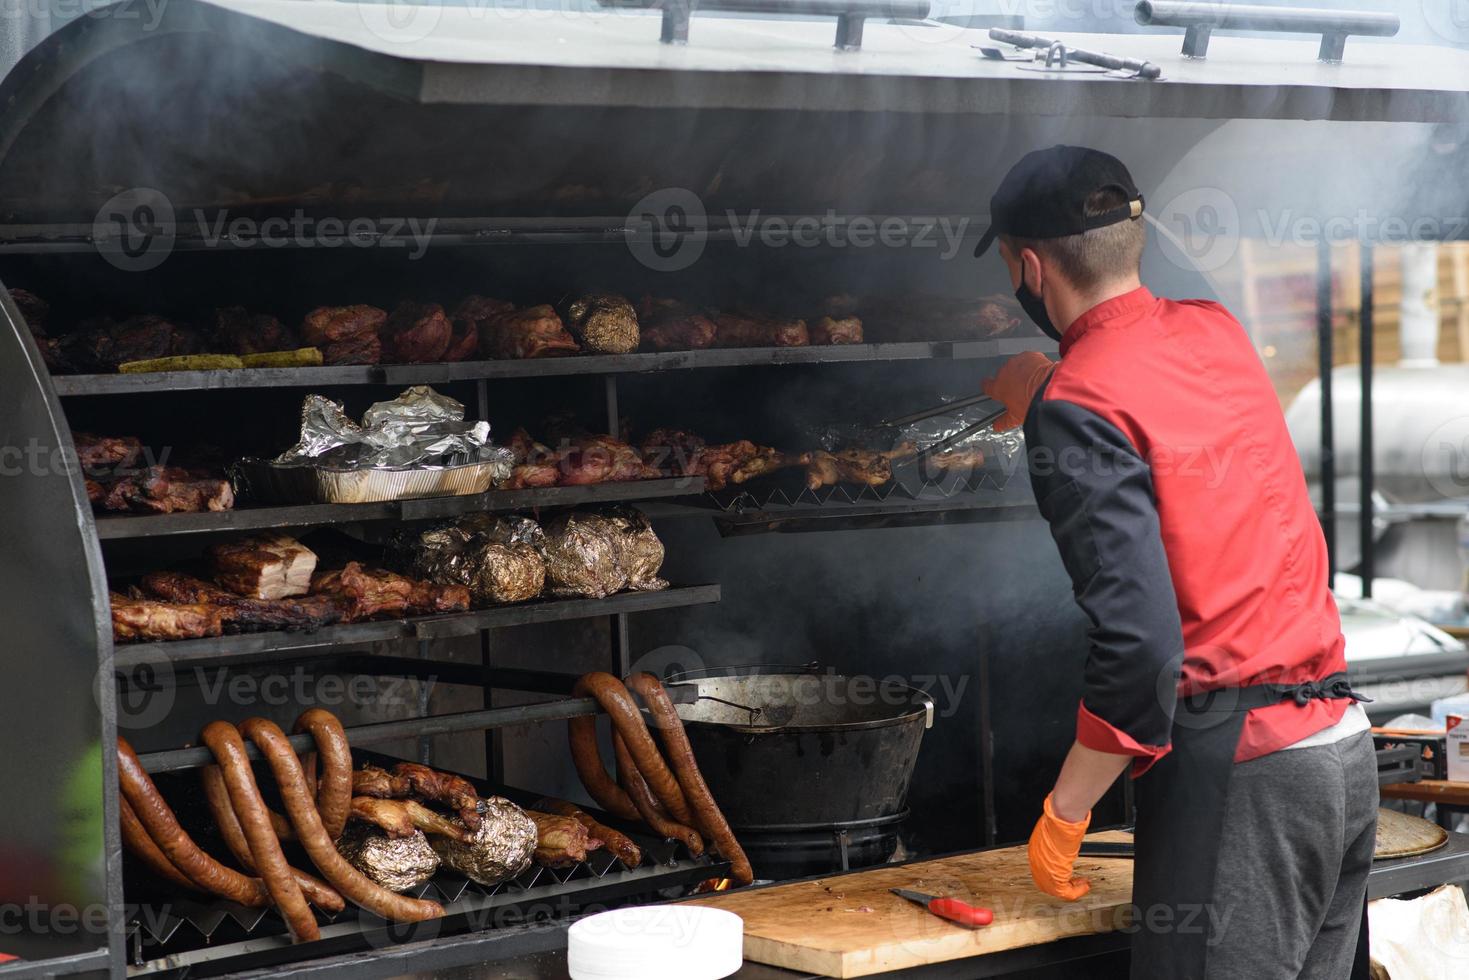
x=656 y=942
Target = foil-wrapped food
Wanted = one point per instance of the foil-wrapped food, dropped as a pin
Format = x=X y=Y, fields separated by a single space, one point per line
x=498 y=559
x=501 y=849
x=604 y=323
x=418 y=428
x=399 y=864
x=594 y=555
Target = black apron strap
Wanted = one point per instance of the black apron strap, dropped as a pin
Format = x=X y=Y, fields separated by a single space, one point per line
x=1180 y=821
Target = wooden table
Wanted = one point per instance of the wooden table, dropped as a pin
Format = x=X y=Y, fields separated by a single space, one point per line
x=1451 y=798
x=853 y=926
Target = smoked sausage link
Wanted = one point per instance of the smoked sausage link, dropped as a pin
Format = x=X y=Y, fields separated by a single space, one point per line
x=333 y=790
x=627 y=721
x=652 y=813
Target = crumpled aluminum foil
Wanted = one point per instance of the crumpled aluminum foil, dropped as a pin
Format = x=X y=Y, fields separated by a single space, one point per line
x=501 y=849
x=639 y=551
x=419 y=428
x=497 y=558
x=583 y=557
x=398 y=864
x=593 y=555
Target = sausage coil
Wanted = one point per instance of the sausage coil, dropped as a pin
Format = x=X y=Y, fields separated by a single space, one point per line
x=648 y=807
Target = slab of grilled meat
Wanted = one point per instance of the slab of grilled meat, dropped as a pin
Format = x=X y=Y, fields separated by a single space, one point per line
x=263 y=566
x=370 y=593
x=758 y=330
x=836 y=330
x=169 y=490
x=297 y=613
x=238 y=331
x=346 y=334
x=411 y=780
x=668 y=324
x=148 y=619
x=106 y=453
x=535 y=331
x=561 y=841
x=416 y=333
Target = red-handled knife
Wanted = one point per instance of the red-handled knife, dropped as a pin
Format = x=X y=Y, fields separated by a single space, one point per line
x=949 y=908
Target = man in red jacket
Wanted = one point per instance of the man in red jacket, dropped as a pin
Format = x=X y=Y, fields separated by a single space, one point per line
x=1160 y=458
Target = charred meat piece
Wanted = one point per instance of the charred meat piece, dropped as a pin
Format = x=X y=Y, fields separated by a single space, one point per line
x=169 y=490
x=409 y=779
x=416 y=333
x=402 y=818
x=366 y=593
x=33 y=309
x=145 y=619
x=476 y=308
x=995 y=317
x=736 y=330
x=869 y=467
x=327 y=325
x=671 y=451
x=96 y=493
x=463 y=340
x=603 y=323
x=103 y=454
x=142 y=338
x=267 y=566
x=535 y=331
x=561 y=841
x=956 y=459
x=535 y=464
x=602 y=459
x=366 y=349
x=671 y=325
x=426 y=599
x=837 y=330
x=238 y=331
x=736 y=462
x=297 y=613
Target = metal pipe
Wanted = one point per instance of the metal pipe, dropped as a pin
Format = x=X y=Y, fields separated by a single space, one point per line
x=388 y=731
x=1255 y=17
x=1325 y=356
x=1365 y=540
x=850 y=14
x=1201 y=18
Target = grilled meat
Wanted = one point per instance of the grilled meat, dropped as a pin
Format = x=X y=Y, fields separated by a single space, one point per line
x=561 y=841
x=535 y=331
x=409 y=780
x=403 y=818
x=96 y=493
x=427 y=598
x=145 y=619
x=169 y=490
x=142 y=338
x=106 y=453
x=737 y=330
x=870 y=467
x=463 y=340
x=366 y=349
x=535 y=464
x=416 y=333
x=366 y=593
x=33 y=309
x=476 y=308
x=602 y=459
x=671 y=451
x=267 y=566
x=671 y=325
x=736 y=462
x=328 y=325
x=298 y=613
x=956 y=459
x=837 y=330
x=238 y=331
x=603 y=323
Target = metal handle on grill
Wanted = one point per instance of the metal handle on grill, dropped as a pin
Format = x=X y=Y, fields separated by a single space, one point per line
x=1200 y=18
x=1142 y=69
x=850 y=14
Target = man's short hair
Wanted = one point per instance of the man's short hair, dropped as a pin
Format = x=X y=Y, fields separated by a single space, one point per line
x=1095 y=257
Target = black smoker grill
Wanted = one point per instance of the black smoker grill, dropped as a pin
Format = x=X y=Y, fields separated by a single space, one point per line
x=537 y=148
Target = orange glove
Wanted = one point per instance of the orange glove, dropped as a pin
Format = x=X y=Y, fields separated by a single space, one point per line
x=1053 y=849
x=1015 y=386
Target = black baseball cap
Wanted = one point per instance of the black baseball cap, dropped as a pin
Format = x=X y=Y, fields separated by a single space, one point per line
x=1044 y=195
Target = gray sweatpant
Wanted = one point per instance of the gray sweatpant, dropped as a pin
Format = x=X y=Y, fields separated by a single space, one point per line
x=1299 y=829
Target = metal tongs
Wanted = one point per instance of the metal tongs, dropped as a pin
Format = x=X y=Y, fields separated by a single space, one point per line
x=952 y=440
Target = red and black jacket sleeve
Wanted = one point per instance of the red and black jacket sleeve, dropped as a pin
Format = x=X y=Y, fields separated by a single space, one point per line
x=1096 y=491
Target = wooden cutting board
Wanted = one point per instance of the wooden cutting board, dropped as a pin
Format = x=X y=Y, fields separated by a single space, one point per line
x=852 y=926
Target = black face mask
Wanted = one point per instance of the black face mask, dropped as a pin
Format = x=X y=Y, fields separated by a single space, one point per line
x=1036 y=310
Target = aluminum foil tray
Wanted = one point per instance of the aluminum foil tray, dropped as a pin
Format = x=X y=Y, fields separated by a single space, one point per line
x=266 y=482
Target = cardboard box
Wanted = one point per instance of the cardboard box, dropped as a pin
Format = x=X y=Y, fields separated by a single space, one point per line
x=1457 y=749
